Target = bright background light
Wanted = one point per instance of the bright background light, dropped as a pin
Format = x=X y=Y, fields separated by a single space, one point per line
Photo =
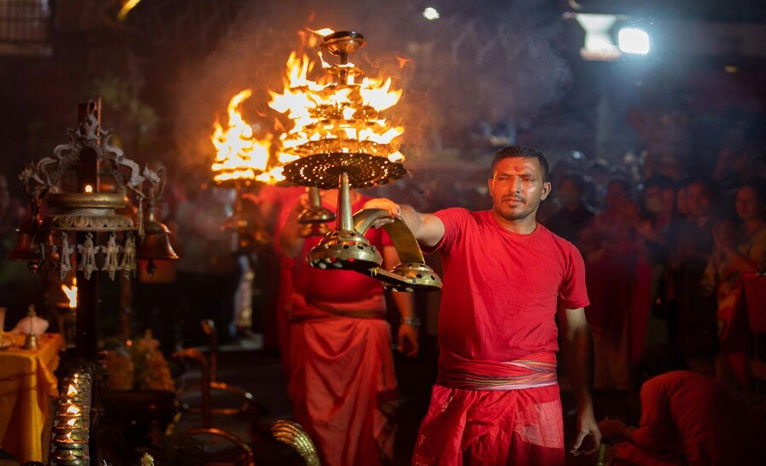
x=430 y=13
x=632 y=40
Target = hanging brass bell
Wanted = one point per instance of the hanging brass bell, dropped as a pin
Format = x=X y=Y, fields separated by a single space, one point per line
x=156 y=243
x=27 y=248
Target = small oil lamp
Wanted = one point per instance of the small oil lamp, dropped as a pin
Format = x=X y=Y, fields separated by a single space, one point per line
x=72 y=440
x=69 y=457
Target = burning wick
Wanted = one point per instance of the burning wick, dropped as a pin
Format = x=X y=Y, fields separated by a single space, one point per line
x=71 y=294
x=88 y=188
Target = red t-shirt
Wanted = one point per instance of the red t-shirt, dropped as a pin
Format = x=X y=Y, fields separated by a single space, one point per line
x=337 y=286
x=502 y=289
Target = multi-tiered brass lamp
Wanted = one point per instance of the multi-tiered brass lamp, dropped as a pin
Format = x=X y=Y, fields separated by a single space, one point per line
x=343 y=140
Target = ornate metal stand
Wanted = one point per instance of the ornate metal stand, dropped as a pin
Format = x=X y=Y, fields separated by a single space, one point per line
x=88 y=190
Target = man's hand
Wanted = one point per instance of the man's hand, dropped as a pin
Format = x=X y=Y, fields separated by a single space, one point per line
x=386 y=204
x=393 y=209
x=588 y=434
x=408 y=340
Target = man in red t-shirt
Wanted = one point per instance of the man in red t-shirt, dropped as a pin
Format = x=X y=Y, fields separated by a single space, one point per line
x=341 y=376
x=506 y=277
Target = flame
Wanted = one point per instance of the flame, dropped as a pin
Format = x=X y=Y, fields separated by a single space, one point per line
x=70 y=422
x=71 y=293
x=88 y=188
x=322 y=32
x=127 y=5
x=73 y=410
x=71 y=391
x=403 y=61
x=340 y=116
x=240 y=155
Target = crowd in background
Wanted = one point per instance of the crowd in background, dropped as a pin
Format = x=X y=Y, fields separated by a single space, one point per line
x=665 y=260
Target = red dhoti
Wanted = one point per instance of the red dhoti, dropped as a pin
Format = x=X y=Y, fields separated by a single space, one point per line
x=342 y=383
x=493 y=413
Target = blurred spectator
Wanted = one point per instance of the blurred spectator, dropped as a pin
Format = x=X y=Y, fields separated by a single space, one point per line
x=739 y=248
x=618 y=279
x=731 y=168
x=598 y=175
x=656 y=227
x=682 y=204
x=692 y=321
x=573 y=215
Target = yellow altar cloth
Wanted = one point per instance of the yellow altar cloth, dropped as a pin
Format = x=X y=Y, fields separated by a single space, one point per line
x=26 y=385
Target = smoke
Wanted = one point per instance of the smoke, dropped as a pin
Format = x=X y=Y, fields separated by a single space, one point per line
x=489 y=65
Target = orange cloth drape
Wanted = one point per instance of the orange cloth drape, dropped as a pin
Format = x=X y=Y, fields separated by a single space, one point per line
x=26 y=385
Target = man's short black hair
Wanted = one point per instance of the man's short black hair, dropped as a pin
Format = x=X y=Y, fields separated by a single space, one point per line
x=523 y=152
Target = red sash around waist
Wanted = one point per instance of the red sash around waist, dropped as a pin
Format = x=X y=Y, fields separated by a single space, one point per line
x=304 y=309
x=534 y=370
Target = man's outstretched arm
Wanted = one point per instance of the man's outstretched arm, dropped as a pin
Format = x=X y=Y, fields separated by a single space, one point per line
x=427 y=228
x=578 y=357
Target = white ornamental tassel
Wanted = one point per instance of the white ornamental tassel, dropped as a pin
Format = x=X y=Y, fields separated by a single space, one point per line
x=111 y=263
x=88 y=256
x=128 y=263
x=65 y=261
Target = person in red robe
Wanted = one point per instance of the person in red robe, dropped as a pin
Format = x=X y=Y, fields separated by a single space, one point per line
x=506 y=278
x=341 y=376
x=686 y=419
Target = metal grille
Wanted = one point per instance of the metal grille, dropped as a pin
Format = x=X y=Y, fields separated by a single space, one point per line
x=24 y=26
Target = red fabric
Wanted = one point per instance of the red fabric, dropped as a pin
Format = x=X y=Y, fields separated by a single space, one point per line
x=343 y=388
x=492 y=428
x=692 y=416
x=322 y=284
x=342 y=380
x=639 y=311
x=501 y=289
x=276 y=318
x=535 y=370
x=500 y=295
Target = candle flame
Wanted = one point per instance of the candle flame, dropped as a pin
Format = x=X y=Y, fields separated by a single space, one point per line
x=88 y=188
x=73 y=410
x=71 y=293
x=71 y=391
x=70 y=422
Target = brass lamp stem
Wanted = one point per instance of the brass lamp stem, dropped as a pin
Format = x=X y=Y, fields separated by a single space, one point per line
x=315 y=198
x=345 y=220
